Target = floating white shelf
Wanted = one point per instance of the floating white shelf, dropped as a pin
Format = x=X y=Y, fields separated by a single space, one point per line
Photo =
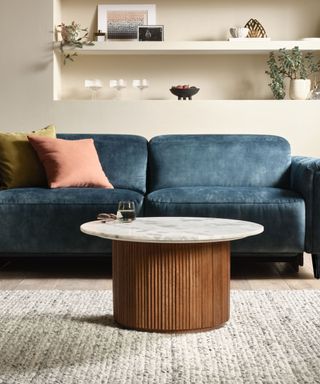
x=249 y=46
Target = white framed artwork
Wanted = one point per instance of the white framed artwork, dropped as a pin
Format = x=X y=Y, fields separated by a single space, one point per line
x=121 y=21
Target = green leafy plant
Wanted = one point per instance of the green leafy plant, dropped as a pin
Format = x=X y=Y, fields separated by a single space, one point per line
x=291 y=64
x=73 y=36
x=277 y=78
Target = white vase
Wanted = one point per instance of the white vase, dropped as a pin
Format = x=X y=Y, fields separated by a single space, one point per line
x=299 y=89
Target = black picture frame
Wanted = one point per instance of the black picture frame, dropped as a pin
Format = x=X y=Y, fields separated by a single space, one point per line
x=151 y=33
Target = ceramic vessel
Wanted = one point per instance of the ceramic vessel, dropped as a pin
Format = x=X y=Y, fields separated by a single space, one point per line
x=300 y=89
x=240 y=32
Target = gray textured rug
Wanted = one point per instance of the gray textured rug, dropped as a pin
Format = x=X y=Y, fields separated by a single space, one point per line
x=69 y=337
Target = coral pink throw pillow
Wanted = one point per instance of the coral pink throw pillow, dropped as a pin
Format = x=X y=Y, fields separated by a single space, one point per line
x=70 y=163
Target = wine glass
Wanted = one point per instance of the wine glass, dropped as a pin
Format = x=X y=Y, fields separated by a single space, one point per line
x=141 y=85
x=94 y=86
x=119 y=85
x=315 y=92
x=126 y=211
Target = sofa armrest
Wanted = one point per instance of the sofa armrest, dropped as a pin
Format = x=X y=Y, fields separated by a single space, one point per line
x=305 y=179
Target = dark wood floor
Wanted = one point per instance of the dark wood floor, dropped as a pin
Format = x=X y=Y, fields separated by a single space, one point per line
x=89 y=273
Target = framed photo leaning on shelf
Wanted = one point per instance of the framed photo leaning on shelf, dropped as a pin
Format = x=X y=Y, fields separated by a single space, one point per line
x=150 y=33
x=121 y=21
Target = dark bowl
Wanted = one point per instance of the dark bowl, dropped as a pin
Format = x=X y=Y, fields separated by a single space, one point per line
x=184 y=93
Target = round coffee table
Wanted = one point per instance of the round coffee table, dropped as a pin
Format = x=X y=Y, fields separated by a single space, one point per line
x=171 y=274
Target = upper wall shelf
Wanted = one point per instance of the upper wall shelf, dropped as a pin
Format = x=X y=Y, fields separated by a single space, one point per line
x=195 y=47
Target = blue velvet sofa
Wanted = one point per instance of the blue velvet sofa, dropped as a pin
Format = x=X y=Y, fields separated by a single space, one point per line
x=248 y=177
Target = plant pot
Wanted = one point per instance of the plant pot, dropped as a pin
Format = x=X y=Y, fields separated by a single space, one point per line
x=299 y=89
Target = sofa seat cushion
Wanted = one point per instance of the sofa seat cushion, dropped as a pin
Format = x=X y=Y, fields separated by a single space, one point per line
x=91 y=196
x=40 y=220
x=280 y=211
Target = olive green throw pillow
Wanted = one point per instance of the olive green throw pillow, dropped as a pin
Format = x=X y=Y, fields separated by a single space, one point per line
x=19 y=163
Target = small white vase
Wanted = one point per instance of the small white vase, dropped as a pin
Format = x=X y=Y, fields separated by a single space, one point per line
x=300 y=89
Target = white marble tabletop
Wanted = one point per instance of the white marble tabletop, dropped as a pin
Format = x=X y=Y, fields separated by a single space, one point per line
x=173 y=230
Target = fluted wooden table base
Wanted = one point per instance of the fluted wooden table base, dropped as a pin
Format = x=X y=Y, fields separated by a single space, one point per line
x=171 y=287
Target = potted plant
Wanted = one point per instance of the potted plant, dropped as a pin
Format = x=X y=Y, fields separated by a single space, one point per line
x=71 y=37
x=297 y=67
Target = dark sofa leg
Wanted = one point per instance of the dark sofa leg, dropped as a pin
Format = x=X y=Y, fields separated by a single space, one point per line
x=316 y=265
x=300 y=257
x=295 y=264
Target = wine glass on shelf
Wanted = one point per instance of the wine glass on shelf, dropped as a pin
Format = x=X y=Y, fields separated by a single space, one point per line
x=119 y=85
x=94 y=86
x=315 y=92
x=141 y=85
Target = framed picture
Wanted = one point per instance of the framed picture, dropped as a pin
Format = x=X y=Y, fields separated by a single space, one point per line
x=150 y=33
x=121 y=21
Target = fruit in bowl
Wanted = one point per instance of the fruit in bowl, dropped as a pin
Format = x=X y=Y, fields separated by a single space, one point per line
x=184 y=91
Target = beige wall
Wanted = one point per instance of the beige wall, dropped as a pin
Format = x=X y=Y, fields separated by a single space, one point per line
x=218 y=76
x=26 y=85
x=26 y=77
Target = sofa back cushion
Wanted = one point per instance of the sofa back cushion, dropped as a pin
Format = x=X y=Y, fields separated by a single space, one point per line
x=218 y=160
x=123 y=158
x=19 y=163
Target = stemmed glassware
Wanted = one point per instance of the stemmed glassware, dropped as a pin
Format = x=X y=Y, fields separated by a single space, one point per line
x=315 y=92
x=119 y=85
x=94 y=86
x=141 y=85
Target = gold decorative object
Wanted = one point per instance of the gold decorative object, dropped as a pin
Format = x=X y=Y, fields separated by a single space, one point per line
x=255 y=29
